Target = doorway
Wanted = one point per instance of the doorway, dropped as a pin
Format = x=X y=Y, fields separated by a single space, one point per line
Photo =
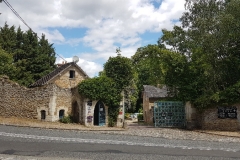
x=99 y=114
x=75 y=112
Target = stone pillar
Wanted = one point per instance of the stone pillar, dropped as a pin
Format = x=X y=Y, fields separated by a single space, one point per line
x=88 y=106
x=52 y=108
x=190 y=116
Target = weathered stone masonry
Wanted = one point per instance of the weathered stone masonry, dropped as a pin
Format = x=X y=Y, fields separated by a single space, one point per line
x=18 y=101
x=209 y=120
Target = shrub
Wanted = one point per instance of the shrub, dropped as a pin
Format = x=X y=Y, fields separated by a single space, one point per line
x=111 y=122
x=127 y=115
x=140 y=117
x=67 y=119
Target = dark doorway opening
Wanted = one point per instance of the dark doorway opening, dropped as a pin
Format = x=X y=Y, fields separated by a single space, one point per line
x=75 y=112
x=99 y=114
x=61 y=114
x=43 y=114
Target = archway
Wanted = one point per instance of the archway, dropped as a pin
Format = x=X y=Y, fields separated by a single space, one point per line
x=99 y=114
x=75 y=112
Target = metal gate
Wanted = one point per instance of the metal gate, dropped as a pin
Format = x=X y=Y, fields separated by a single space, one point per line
x=169 y=114
x=102 y=116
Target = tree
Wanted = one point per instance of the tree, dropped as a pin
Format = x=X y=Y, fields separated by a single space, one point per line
x=209 y=38
x=32 y=57
x=120 y=70
x=44 y=62
x=6 y=67
x=147 y=63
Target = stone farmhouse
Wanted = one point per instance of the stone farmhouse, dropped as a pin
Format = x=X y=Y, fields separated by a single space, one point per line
x=51 y=98
x=215 y=118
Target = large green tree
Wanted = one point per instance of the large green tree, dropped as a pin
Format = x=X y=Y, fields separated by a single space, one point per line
x=148 y=66
x=32 y=56
x=209 y=39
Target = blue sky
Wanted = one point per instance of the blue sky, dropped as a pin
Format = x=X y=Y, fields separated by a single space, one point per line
x=92 y=30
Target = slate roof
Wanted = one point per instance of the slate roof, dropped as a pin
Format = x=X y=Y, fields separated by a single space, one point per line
x=44 y=80
x=155 y=92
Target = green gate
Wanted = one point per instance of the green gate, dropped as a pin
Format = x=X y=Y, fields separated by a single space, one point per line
x=169 y=114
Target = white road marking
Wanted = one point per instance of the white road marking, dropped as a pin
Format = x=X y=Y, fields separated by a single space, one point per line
x=98 y=141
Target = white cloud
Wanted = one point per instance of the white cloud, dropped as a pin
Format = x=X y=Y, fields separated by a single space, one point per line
x=125 y=18
x=109 y=23
x=53 y=35
x=91 y=68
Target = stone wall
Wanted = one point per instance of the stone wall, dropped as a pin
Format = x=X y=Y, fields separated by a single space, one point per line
x=61 y=99
x=148 y=104
x=18 y=101
x=209 y=120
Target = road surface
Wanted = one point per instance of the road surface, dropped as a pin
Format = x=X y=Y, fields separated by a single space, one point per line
x=34 y=143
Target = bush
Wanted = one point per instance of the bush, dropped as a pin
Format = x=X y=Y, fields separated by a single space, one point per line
x=140 y=117
x=67 y=119
x=111 y=122
x=127 y=115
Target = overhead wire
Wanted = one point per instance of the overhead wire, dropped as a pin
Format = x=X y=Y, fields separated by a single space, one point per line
x=16 y=13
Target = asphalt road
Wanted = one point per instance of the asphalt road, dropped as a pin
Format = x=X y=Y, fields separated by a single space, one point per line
x=19 y=142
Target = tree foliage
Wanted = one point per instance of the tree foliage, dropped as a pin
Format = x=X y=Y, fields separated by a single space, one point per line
x=101 y=88
x=209 y=41
x=147 y=63
x=32 y=57
x=6 y=67
x=120 y=70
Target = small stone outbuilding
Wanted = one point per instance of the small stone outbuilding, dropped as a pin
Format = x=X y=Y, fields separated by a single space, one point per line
x=150 y=95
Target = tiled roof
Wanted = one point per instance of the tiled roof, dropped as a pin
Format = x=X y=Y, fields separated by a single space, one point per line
x=55 y=73
x=155 y=92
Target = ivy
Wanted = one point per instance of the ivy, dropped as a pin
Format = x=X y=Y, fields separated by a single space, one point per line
x=116 y=76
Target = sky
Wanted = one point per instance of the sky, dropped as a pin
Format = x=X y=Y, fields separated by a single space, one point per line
x=93 y=29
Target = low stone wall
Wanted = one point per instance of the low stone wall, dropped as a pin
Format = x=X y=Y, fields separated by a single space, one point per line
x=20 y=101
x=209 y=120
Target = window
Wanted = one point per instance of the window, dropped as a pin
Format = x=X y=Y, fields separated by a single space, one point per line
x=61 y=114
x=43 y=114
x=71 y=74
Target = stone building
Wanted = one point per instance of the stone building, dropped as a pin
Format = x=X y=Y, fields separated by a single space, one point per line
x=51 y=98
x=150 y=95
